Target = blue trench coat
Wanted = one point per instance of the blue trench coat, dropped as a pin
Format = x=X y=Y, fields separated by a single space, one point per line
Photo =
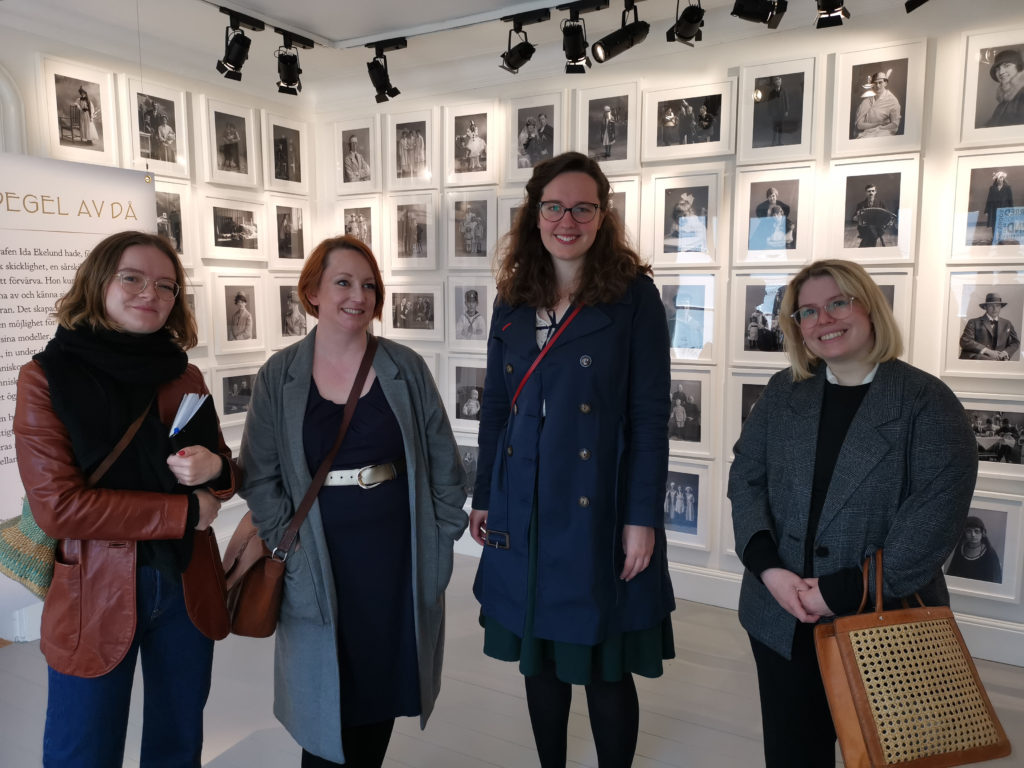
x=596 y=459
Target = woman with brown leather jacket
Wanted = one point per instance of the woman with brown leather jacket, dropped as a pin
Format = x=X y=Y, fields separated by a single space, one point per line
x=135 y=566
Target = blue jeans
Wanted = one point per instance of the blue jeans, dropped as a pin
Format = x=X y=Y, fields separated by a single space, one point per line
x=86 y=718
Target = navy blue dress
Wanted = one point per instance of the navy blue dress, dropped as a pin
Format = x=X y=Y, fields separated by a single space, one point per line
x=369 y=539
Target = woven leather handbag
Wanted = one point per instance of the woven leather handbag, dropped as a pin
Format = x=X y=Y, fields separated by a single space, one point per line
x=903 y=689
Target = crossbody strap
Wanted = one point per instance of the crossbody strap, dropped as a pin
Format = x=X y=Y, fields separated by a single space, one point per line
x=281 y=550
x=118 y=449
x=543 y=352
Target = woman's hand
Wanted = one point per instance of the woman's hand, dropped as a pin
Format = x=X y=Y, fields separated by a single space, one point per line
x=638 y=545
x=209 y=506
x=478 y=525
x=195 y=465
x=812 y=600
x=786 y=587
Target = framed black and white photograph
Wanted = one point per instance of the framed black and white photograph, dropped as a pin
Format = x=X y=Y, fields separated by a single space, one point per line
x=238 y=312
x=472 y=144
x=696 y=121
x=537 y=132
x=998 y=424
x=411 y=150
x=469 y=453
x=232 y=390
x=155 y=128
x=742 y=391
x=879 y=100
x=357 y=156
x=986 y=561
x=624 y=202
x=470 y=300
x=285 y=152
x=414 y=311
x=754 y=330
x=608 y=126
x=694 y=405
x=290 y=236
x=774 y=215
x=993 y=110
x=988 y=223
x=684 y=229
x=874 y=209
x=984 y=318
x=412 y=231
x=360 y=217
x=464 y=390
x=897 y=286
x=472 y=216
x=230 y=151
x=689 y=301
x=776 y=115
x=174 y=219
x=81 y=113
x=197 y=296
x=688 y=504
x=508 y=209
x=235 y=229
x=288 y=320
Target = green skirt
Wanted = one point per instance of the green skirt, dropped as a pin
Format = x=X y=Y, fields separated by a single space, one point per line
x=640 y=651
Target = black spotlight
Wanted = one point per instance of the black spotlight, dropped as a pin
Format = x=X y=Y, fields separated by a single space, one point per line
x=913 y=5
x=517 y=55
x=378 y=68
x=831 y=13
x=687 y=26
x=768 y=12
x=623 y=38
x=236 y=44
x=287 y=55
x=574 y=45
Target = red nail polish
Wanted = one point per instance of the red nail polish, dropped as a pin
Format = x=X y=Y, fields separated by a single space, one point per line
x=181 y=452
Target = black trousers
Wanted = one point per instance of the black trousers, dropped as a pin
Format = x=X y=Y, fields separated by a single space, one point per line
x=364 y=745
x=798 y=730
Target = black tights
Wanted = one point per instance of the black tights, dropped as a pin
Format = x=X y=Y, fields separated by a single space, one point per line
x=364 y=746
x=614 y=718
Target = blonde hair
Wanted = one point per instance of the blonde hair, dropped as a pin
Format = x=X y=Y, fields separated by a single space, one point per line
x=852 y=280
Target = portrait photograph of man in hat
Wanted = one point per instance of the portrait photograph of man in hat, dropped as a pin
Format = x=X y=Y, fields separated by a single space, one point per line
x=990 y=337
x=1008 y=72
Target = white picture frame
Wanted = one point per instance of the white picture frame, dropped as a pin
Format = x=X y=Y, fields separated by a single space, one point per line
x=286 y=166
x=232 y=392
x=234 y=332
x=234 y=229
x=999 y=455
x=360 y=217
x=1001 y=515
x=412 y=236
x=897 y=285
x=755 y=336
x=197 y=294
x=288 y=321
x=469 y=323
x=623 y=155
x=776 y=120
x=690 y=300
x=175 y=219
x=743 y=389
x=984 y=230
x=980 y=88
x=684 y=230
x=469 y=453
x=415 y=163
x=358 y=173
x=229 y=135
x=508 y=206
x=689 y=122
x=691 y=430
x=471 y=227
x=879 y=229
x=472 y=144
x=687 y=515
x=967 y=290
x=624 y=201
x=414 y=310
x=464 y=374
x=290 y=226
x=82 y=128
x=150 y=144
x=526 y=148
x=862 y=119
x=762 y=238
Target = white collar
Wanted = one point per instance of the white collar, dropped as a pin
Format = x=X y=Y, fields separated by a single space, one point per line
x=990 y=318
x=831 y=377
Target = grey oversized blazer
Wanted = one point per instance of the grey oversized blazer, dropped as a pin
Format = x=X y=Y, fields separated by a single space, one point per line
x=306 y=694
x=903 y=482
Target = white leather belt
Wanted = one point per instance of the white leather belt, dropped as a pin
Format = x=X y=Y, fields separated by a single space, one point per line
x=366 y=477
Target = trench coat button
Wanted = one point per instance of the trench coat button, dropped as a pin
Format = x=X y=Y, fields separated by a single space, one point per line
x=508 y=368
x=821 y=551
x=509 y=450
x=585 y=454
x=584 y=501
x=586 y=360
x=515 y=408
x=584 y=407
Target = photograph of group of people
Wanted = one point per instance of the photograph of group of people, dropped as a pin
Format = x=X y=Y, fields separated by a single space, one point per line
x=689 y=121
x=681 y=494
x=1000 y=434
x=157 y=128
x=684 y=418
x=232 y=146
x=235 y=228
x=535 y=136
x=412 y=310
x=774 y=208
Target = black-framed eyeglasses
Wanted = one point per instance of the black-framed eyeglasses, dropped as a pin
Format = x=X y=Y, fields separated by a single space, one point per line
x=838 y=308
x=553 y=211
x=135 y=283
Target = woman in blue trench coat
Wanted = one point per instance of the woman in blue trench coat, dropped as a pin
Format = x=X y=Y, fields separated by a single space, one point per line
x=573 y=582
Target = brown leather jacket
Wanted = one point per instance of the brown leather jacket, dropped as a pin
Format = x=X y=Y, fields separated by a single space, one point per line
x=89 y=614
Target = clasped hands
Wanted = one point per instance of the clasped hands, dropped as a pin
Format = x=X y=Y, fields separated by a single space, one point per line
x=800 y=597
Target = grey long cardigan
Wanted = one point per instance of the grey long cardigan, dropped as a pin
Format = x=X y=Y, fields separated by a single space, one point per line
x=306 y=694
x=903 y=482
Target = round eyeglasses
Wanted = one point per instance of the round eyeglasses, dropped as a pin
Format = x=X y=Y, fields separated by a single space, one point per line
x=838 y=308
x=135 y=283
x=583 y=213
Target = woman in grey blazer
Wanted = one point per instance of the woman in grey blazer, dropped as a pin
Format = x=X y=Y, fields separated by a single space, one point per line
x=361 y=631
x=849 y=451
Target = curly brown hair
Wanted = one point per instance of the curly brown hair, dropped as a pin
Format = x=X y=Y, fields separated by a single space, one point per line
x=526 y=274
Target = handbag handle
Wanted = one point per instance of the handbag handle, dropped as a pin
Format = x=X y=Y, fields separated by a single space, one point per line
x=281 y=550
x=878 y=585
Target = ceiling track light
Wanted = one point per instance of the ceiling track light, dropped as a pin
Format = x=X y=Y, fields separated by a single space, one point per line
x=516 y=56
x=622 y=39
x=769 y=12
x=236 y=44
x=831 y=13
x=378 y=68
x=287 y=56
x=574 y=35
x=687 y=28
x=913 y=5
